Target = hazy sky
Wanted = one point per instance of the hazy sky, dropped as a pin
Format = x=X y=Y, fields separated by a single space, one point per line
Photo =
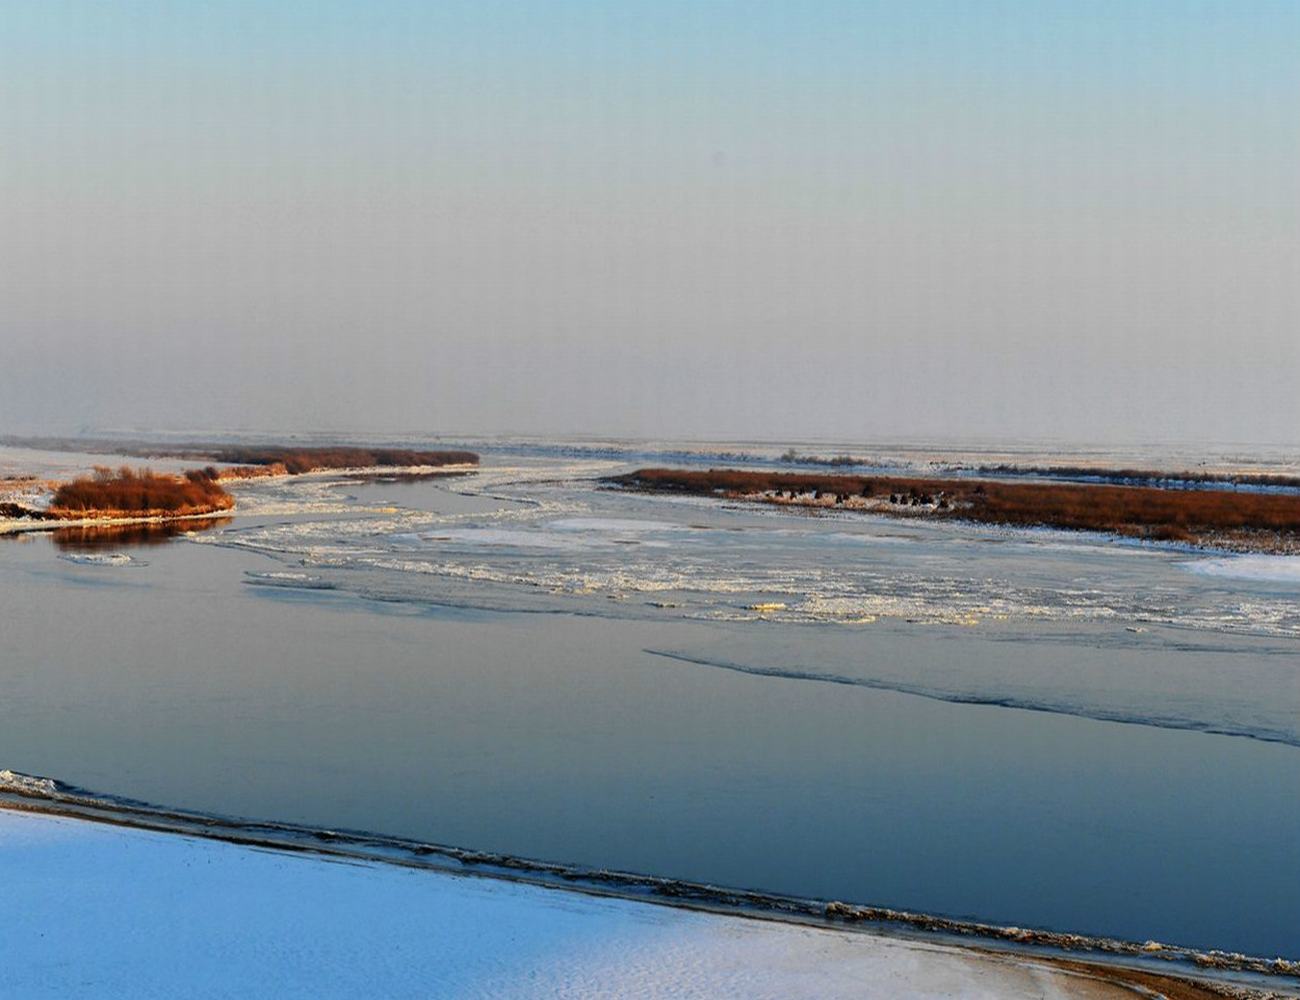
x=790 y=220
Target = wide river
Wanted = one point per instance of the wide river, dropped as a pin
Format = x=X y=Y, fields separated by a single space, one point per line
x=1029 y=728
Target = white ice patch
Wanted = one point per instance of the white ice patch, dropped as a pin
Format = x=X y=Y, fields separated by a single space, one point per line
x=863 y=538
x=612 y=524
x=557 y=534
x=17 y=781
x=296 y=580
x=100 y=559
x=503 y=537
x=1265 y=569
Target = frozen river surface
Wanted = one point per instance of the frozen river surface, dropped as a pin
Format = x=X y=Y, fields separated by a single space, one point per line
x=1023 y=727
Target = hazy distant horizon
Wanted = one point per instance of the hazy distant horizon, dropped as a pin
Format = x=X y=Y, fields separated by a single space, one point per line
x=737 y=221
x=1163 y=453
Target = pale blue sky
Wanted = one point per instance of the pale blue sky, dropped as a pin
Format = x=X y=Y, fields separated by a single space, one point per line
x=787 y=220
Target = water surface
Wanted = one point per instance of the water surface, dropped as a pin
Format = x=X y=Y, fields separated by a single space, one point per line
x=1038 y=729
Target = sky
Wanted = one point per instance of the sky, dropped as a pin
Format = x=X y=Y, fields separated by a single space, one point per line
x=799 y=220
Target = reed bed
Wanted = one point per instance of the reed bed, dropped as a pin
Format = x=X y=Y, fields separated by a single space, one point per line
x=1137 y=511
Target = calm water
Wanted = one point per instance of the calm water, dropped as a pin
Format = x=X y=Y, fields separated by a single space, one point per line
x=1026 y=728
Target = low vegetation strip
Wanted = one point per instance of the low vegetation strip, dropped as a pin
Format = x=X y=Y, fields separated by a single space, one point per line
x=297 y=461
x=128 y=492
x=1148 y=477
x=1253 y=521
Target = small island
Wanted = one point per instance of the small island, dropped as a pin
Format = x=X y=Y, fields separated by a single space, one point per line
x=132 y=496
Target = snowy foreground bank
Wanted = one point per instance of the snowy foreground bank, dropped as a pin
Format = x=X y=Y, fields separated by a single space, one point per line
x=91 y=910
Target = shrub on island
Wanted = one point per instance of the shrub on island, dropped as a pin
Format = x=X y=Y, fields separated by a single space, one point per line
x=128 y=492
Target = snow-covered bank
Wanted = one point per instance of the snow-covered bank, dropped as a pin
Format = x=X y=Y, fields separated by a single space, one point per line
x=17 y=526
x=92 y=910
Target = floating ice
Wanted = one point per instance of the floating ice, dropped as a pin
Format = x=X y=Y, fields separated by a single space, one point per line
x=100 y=559
x=1267 y=569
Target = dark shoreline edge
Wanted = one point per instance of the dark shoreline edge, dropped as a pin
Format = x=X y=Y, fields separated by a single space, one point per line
x=1190 y=967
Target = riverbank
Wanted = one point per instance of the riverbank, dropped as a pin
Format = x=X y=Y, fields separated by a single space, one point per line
x=1211 y=519
x=1171 y=970
x=160 y=914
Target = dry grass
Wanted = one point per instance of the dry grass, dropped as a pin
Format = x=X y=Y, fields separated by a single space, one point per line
x=1146 y=477
x=296 y=461
x=129 y=492
x=1138 y=511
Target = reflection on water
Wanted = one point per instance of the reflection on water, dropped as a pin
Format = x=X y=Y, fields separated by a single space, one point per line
x=95 y=538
